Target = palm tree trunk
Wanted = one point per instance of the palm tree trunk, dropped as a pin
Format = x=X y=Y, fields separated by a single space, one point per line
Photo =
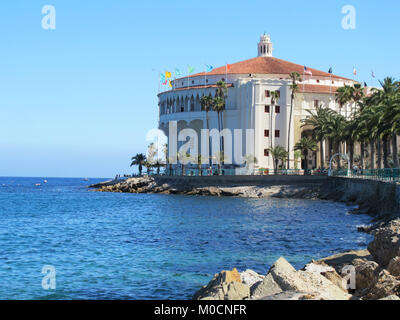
x=379 y=147
x=337 y=150
x=290 y=122
x=209 y=138
x=385 y=153
x=222 y=138
x=351 y=152
x=372 y=151
x=321 y=153
x=395 y=151
x=330 y=149
x=305 y=154
x=362 y=154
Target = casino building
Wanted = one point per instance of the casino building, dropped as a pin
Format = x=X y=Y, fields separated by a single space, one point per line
x=248 y=104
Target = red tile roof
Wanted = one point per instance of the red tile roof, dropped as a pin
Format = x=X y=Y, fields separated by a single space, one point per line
x=266 y=65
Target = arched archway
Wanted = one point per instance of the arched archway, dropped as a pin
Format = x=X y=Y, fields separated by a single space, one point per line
x=344 y=157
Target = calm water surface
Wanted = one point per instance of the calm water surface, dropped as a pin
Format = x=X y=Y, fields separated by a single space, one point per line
x=128 y=246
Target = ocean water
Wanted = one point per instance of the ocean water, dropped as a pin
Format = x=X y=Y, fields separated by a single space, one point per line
x=128 y=246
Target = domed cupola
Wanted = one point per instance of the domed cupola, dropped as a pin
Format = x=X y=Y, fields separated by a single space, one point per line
x=265 y=46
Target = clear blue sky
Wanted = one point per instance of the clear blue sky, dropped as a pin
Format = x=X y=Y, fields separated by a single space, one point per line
x=77 y=101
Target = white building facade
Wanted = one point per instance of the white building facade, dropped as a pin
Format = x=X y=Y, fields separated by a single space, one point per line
x=249 y=106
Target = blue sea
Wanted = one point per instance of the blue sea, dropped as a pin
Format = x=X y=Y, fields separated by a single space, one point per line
x=138 y=246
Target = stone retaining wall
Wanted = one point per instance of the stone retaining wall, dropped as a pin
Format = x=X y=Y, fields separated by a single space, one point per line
x=231 y=181
x=375 y=197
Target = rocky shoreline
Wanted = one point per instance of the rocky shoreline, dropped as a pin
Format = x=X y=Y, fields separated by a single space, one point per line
x=372 y=274
x=150 y=185
x=376 y=270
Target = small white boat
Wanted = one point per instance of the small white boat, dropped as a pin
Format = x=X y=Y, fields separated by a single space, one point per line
x=45 y=181
x=37 y=184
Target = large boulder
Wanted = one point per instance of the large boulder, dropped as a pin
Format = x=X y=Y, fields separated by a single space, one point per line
x=327 y=271
x=394 y=266
x=226 y=285
x=267 y=287
x=236 y=291
x=367 y=273
x=386 y=285
x=386 y=243
x=288 y=279
x=340 y=260
x=251 y=277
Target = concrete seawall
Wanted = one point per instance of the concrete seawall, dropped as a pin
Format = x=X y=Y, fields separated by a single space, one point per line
x=377 y=198
x=233 y=181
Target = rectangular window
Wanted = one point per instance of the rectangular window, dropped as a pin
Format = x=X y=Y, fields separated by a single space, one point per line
x=266 y=153
x=266 y=133
x=266 y=109
x=316 y=103
x=277 y=109
x=267 y=93
x=277 y=133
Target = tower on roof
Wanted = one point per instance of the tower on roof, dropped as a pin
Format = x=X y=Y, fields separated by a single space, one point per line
x=265 y=46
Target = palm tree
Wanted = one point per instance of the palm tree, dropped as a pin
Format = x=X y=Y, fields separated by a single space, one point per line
x=219 y=104
x=295 y=77
x=335 y=130
x=389 y=98
x=206 y=103
x=278 y=153
x=184 y=159
x=199 y=160
x=158 y=164
x=305 y=145
x=250 y=161
x=319 y=122
x=139 y=160
x=344 y=95
x=297 y=156
x=220 y=158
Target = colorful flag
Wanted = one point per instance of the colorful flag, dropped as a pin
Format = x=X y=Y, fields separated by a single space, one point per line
x=162 y=77
x=372 y=74
x=330 y=70
x=178 y=72
x=190 y=69
x=169 y=83
x=354 y=71
x=307 y=71
x=165 y=82
x=168 y=74
x=228 y=67
x=209 y=68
